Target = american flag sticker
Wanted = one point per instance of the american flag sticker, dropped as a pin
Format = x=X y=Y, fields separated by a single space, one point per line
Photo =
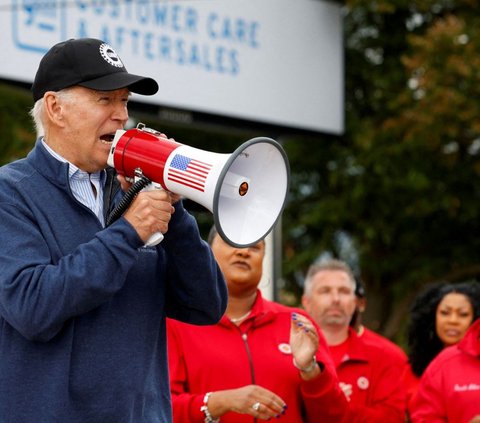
x=189 y=172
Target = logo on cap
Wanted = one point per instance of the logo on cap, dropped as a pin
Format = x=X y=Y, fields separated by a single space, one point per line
x=110 y=55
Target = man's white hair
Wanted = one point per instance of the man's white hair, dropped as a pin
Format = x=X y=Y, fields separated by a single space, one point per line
x=36 y=113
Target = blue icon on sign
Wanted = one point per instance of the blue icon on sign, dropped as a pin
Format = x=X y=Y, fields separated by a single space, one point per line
x=38 y=24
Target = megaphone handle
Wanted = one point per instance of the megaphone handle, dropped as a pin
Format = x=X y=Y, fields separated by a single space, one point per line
x=157 y=237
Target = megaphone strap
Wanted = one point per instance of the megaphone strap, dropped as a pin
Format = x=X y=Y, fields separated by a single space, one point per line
x=127 y=199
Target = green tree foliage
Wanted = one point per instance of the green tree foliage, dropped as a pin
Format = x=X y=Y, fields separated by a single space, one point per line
x=402 y=184
x=16 y=128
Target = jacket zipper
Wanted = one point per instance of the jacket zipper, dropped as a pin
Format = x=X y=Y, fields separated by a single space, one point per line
x=249 y=355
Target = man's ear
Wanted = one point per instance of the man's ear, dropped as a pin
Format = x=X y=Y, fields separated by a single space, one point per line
x=54 y=109
x=361 y=304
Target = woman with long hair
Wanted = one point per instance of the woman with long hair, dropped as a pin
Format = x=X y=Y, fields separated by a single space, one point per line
x=440 y=316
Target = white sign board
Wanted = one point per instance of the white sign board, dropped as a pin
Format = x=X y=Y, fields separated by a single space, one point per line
x=273 y=61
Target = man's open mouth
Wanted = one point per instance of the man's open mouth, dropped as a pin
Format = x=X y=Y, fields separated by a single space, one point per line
x=107 y=138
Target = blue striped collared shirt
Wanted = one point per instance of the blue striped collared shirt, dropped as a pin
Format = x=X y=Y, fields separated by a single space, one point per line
x=82 y=183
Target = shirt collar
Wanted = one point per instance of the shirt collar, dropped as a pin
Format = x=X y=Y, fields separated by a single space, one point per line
x=73 y=171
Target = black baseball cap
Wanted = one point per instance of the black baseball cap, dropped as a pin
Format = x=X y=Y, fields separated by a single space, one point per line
x=90 y=63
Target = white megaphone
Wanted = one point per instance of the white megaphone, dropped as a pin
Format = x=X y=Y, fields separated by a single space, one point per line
x=246 y=190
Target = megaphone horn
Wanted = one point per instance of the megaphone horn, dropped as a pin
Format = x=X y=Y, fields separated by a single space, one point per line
x=246 y=191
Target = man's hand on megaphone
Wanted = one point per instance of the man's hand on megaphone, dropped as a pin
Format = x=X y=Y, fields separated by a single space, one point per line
x=150 y=212
x=126 y=186
x=124 y=183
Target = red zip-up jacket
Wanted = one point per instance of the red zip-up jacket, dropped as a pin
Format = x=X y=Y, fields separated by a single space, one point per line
x=449 y=390
x=225 y=356
x=376 y=338
x=411 y=382
x=371 y=376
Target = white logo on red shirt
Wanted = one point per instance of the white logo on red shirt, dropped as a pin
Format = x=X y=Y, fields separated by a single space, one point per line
x=363 y=383
x=347 y=389
x=285 y=348
x=469 y=387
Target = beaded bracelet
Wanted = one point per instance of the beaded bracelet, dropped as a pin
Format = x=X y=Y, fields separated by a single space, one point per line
x=306 y=369
x=204 y=409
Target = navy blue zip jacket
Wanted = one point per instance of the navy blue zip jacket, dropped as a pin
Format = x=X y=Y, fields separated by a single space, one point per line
x=82 y=308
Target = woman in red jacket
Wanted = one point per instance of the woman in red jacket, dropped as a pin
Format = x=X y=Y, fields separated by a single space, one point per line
x=440 y=317
x=262 y=360
x=449 y=390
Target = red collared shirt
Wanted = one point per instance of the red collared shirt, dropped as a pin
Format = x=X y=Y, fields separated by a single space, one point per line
x=370 y=376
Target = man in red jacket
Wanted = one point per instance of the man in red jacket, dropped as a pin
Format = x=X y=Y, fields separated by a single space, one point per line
x=449 y=389
x=369 y=373
x=368 y=334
